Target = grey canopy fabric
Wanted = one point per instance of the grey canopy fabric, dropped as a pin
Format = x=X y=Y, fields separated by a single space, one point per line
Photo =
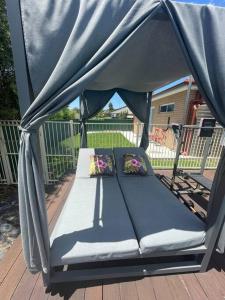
x=139 y=104
x=91 y=102
x=203 y=44
x=72 y=46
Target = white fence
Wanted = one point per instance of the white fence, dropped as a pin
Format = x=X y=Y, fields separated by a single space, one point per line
x=60 y=142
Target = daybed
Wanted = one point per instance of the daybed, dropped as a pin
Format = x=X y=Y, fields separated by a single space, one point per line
x=102 y=47
x=120 y=216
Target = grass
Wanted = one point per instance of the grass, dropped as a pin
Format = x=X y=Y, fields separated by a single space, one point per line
x=116 y=139
x=184 y=163
x=100 y=140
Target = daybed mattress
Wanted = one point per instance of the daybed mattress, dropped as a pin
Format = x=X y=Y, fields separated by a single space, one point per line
x=94 y=224
x=161 y=222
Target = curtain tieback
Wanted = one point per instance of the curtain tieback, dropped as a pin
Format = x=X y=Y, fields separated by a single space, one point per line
x=82 y=122
x=31 y=130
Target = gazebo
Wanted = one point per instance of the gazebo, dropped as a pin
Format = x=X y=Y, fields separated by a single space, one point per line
x=92 y=49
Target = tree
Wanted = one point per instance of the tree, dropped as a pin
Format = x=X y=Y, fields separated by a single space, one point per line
x=100 y=115
x=64 y=114
x=8 y=94
x=111 y=108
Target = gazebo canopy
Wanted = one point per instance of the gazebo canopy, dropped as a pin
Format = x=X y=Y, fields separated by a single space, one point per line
x=127 y=45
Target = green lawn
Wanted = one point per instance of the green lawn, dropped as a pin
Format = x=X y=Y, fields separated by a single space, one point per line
x=184 y=163
x=100 y=140
x=116 y=139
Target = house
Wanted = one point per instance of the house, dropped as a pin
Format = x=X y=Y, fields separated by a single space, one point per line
x=122 y=111
x=181 y=103
x=173 y=105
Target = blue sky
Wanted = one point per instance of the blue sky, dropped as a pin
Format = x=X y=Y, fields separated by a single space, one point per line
x=116 y=100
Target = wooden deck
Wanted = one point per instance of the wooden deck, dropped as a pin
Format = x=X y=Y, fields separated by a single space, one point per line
x=17 y=283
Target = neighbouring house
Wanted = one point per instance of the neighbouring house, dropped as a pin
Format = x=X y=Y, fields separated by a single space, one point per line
x=171 y=105
x=116 y=113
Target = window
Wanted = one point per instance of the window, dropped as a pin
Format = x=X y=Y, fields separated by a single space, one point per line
x=167 y=107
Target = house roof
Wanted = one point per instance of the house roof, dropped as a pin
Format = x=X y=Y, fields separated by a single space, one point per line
x=173 y=88
x=121 y=108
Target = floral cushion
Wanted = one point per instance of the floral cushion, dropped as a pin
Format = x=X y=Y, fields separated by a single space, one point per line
x=134 y=164
x=101 y=165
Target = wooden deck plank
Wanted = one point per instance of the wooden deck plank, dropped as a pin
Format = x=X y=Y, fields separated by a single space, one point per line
x=111 y=291
x=53 y=212
x=194 y=287
x=12 y=254
x=128 y=291
x=210 y=285
x=178 y=289
x=161 y=288
x=39 y=292
x=93 y=293
x=145 y=289
x=11 y=281
x=25 y=286
x=21 y=278
x=9 y=259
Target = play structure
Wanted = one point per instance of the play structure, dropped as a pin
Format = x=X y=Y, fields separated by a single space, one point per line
x=121 y=225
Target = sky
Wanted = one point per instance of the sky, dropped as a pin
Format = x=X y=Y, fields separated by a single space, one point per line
x=116 y=100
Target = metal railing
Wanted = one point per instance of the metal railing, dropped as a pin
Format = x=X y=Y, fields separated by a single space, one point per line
x=60 y=143
x=163 y=148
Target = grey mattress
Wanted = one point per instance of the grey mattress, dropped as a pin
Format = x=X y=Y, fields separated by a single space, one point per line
x=161 y=222
x=94 y=224
x=118 y=154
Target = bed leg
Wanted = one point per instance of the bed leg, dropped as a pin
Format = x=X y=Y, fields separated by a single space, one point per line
x=205 y=261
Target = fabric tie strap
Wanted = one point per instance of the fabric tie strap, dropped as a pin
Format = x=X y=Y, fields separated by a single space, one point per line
x=27 y=130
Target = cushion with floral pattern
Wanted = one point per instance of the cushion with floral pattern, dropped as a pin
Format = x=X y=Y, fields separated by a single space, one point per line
x=134 y=165
x=101 y=165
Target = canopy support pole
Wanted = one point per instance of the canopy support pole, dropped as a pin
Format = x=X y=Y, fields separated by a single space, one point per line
x=180 y=140
x=19 y=55
x=212 y=235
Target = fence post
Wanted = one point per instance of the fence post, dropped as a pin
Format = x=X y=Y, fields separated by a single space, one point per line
x=43 y=155
x=73 y=144
x=5 y=158
x=205 y=154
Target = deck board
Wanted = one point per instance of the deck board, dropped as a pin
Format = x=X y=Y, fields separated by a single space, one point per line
x=16 y=278
x=93 y=293
x=17 y=283
x=193 y=286
x=128 y=290
x=161 y=288
x=111 y=291
x=145 y=289
x=39 y=291
x=177 y=287
x=211 y=286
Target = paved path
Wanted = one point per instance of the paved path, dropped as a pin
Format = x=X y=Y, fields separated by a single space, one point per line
x=154 y=150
